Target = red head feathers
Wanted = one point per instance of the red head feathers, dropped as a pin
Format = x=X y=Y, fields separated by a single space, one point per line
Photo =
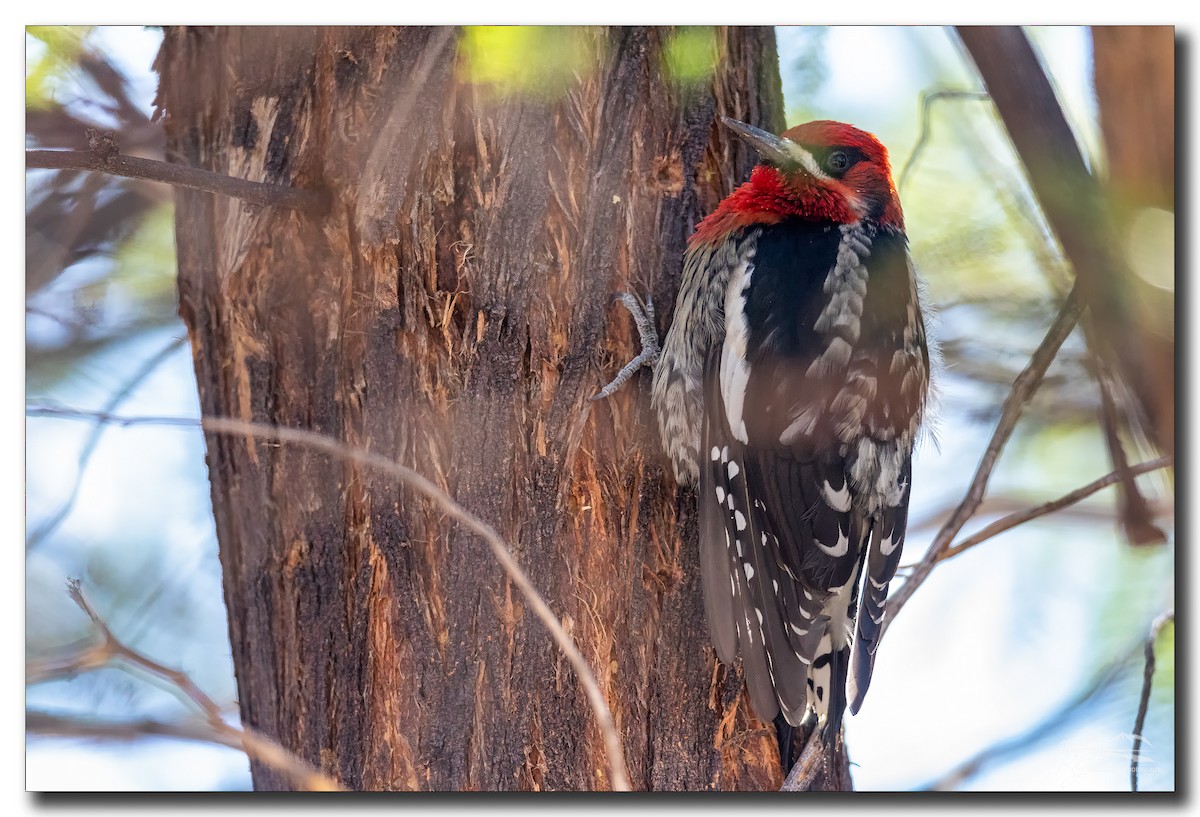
x=822 y=170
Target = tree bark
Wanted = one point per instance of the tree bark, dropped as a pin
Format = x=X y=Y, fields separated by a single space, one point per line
x=452 y=311
x=1135 y=89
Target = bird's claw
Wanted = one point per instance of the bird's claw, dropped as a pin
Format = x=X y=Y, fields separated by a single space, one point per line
x=643 y=318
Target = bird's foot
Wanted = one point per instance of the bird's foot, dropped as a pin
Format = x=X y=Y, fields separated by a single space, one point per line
x=643 y=318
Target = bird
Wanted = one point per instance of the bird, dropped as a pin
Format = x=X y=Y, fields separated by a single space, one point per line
x=791 y=388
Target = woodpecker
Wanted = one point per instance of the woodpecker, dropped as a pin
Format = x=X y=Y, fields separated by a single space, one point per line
x=791 y=387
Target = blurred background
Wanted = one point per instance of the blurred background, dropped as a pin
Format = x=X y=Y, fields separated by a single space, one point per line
x=1036 y=660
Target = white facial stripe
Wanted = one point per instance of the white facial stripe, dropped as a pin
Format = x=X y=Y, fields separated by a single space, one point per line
x=805 y=159
x=809 y=163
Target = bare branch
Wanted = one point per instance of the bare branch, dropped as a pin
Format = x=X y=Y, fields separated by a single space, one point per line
x=117 y=650
x=71 y=726
x=1010 y=502
x=1139 y=722
x=342 y=451
x=214 y=729
x=1022 y=389
x=1020 y=517
x=927 y=100
x=255 y=746
x=106 y=158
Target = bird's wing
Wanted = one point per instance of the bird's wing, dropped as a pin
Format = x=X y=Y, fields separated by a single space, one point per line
x=887 y=542
x=753 y=595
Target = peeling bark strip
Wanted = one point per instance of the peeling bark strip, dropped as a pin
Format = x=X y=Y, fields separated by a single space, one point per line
x=452 y=311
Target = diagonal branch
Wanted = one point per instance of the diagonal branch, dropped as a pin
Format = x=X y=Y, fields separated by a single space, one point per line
x=107 y=158
x=108 y=650
x=1022 y=389
x=340 y=450
x=1021 y=517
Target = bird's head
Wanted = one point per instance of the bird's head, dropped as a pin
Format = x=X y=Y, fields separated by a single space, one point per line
x=822 y=170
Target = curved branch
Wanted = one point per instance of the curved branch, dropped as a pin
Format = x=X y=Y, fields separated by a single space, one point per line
x=336 y=448
x=927 y=100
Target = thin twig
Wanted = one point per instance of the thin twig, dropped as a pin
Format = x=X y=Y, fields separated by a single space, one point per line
x=109 y=649
x=1139 y=722
x=89 y=447
x=340 y=450
x=927 y=100
x=1021 y=517
x=117 y=650
x=1022 y=389
x=105 y=158
x=1009 y=502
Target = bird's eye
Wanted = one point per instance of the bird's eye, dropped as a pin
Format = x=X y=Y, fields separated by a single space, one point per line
x=838 y=161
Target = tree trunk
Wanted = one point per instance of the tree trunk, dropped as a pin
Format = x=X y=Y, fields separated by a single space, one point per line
x=1135 y=89
x=452 y=311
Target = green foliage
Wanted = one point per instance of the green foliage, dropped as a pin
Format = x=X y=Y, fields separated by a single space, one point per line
x=60 y=47
x=540 y=61
x=144 y=265
x=691 y=54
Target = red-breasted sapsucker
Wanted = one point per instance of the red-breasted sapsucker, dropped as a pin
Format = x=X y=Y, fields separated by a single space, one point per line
x=791 y=386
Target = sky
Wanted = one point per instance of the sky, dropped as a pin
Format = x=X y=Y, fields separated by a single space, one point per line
x=953 y=659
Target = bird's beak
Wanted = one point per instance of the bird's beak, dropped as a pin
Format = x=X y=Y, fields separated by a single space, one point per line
x=769 y=146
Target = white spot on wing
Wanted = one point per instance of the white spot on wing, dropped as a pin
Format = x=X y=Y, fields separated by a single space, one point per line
x=886 y=545
x=739 y=520
x=841 y=548
x=838 y=500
